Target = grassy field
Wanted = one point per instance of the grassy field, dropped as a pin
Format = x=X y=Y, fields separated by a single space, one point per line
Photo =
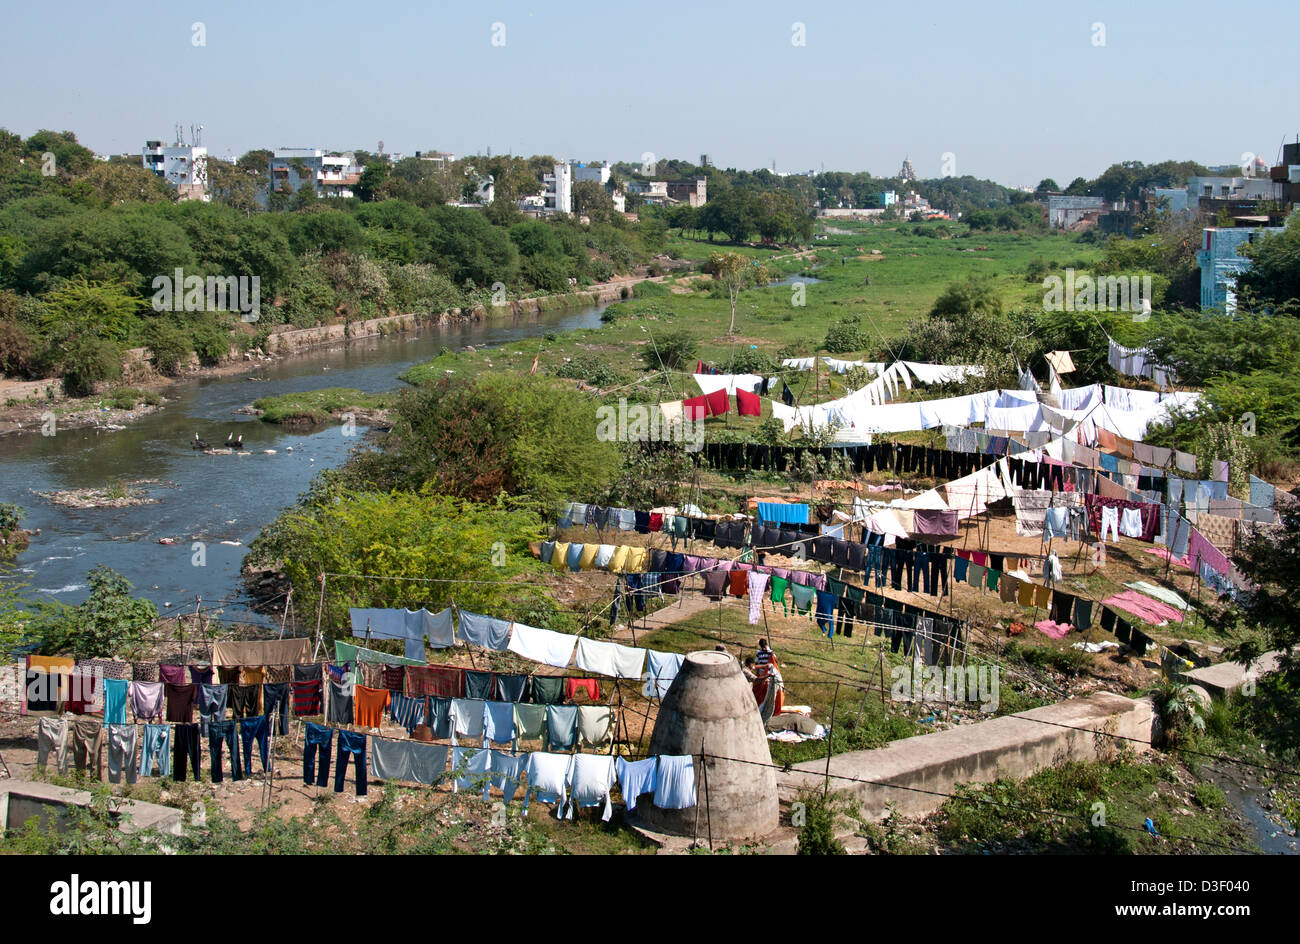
x=908 y=272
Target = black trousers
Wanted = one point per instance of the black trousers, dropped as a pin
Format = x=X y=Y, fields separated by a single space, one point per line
x=185 y=746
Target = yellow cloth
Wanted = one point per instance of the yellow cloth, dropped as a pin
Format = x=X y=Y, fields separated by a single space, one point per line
x=588 y=559
x=618 y=563
x=252 y=675
x=561 y=555
x=1025 y=595
x=636 y=559
x=57 y=665
x=1042 y=596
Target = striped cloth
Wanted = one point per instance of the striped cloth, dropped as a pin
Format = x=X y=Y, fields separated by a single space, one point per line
x=307 y=697
x=408 y=710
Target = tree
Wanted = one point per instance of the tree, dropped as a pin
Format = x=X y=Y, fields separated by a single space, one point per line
x=975 y=295
x=1274 y=274
x=1269 y=560
x=1047 y=185
x=474 y=439
x=108 y=621
x=591 y=200
x=737 y=273
x=81 y=309
x=372 y=180
x=407 y=534
x=232 y=186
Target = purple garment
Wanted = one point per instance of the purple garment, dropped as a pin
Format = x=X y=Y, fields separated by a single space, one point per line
x=741 y=565
x=934 y=521
x=175 y=674
x=147 y=700
x=781 y=572
x=200 y=675
x=690 y=564
x=801 y=577
x=818 y=582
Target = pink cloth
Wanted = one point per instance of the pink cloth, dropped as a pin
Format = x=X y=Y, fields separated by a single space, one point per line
x=1200 y=549
x=1142 y=606
x=1049 y=628
x=1163 y=554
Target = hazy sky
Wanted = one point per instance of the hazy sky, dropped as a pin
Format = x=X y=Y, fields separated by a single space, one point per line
x=1014 y=91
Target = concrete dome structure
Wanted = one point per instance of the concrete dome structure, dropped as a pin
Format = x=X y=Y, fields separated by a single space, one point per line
x=711 y=707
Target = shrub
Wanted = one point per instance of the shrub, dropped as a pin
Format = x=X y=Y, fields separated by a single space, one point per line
x=211 y=343
x=651 y=290
x=670 y=351
x=752 y=360
x=819 y=813
x=169 y=347
x=847 y=335
x=589 y=367
x=88 y=362
x=17 y=352
x=11 y=516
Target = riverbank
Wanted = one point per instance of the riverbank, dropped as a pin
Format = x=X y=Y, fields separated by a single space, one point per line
x=29 y=404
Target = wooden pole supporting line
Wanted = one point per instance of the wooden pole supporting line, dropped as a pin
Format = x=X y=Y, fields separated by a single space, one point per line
x=830 y=735
x=320 y=609
x=708 y=798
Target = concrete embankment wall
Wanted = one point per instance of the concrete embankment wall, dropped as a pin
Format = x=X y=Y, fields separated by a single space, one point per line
x=916 y=774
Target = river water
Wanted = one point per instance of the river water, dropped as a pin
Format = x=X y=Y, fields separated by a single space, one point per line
x=221 y=501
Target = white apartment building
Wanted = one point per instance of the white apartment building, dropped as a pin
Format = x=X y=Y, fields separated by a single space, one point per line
x=557 y=197
x=184 y=166
x=597 y=173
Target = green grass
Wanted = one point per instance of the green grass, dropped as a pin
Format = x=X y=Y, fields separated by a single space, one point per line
x=126 y=398
x=319 y=406
x=844 y=677
x=1017 y=815
x=906 y=278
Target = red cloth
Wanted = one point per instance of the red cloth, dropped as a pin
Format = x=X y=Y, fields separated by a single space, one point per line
x=574 y=685
x=81 y=693
x=444 y=681
x=739 y=582
x=748 y=404
x=718 y=402
x=656 y=522
x=696 y=408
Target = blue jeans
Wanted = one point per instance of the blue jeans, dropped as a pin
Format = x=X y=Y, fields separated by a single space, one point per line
x=251 y=729
x=351 y=745
x=156 y=746
x=319 y=741
x=219 y=733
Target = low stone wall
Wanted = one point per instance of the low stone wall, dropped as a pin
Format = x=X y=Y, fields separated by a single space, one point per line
x=914 y=775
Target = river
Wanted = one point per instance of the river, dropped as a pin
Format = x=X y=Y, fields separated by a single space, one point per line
x=221 y=501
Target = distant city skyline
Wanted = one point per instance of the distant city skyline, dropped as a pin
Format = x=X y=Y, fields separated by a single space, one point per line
x=994 y=91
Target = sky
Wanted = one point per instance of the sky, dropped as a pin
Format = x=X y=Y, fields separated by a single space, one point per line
x=1014 y=92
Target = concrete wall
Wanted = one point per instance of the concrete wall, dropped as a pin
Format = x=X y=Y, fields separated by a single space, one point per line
x=22 y=799
x=1010 y=746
